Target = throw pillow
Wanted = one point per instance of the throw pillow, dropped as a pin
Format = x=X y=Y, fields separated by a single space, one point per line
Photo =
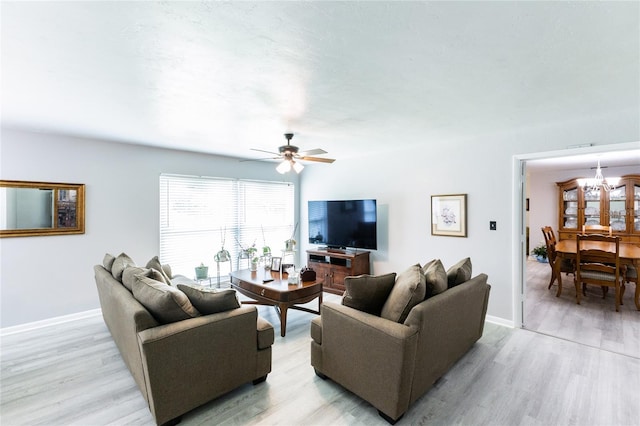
x=459 y=273
x=166 y=268
x=166 y=303
x=107 y=261
x=435 y=277
x=211 y=301
x=408 y=291
x=129 y=276
x=120 y=264
x=367 y=293
x=154 y=263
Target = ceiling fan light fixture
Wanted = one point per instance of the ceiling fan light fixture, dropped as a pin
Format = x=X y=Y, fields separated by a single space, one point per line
x=284 y=167
x=297 y=166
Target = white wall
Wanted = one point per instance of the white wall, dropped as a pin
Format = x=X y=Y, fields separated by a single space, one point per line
x=44 y=277
x=403 y=182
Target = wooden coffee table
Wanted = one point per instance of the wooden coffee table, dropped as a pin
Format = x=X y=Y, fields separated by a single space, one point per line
x=278 y=292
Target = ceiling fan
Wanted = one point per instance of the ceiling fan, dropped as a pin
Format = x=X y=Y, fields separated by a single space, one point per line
x=290 y=153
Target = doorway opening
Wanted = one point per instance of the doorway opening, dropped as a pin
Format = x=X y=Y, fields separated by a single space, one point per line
x=594 y=322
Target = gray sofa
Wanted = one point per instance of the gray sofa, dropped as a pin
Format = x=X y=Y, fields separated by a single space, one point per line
x=184 y=364
x=391 y=364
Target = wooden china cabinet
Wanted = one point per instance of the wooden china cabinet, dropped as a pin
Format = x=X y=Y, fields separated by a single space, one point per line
x=618 y=208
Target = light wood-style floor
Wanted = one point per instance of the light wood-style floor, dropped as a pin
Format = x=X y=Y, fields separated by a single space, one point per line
x=72 y=374
x=594 y=322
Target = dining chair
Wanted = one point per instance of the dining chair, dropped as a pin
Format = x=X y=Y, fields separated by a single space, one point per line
x=597 y=264
x=566 y=265
x=596 y=229
x=630 y=275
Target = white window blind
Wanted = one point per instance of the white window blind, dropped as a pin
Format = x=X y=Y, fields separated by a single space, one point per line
x=200 y=214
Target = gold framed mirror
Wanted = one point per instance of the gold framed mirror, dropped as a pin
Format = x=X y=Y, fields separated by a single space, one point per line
x=40 y=208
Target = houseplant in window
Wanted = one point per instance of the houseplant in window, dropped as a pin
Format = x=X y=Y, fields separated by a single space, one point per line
x=202 y=272
x=223 y=255
x=290 y=244
x=266 y=251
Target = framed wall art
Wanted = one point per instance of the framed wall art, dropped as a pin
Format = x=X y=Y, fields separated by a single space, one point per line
x=449 y=215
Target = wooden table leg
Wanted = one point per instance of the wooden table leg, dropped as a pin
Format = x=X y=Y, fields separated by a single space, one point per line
x=636 y=265
x=283 y=319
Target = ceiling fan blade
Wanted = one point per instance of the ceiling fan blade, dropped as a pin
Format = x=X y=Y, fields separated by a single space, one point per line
x=262 y=150
x=317 y=159
x=316 y=151
x=260 y=159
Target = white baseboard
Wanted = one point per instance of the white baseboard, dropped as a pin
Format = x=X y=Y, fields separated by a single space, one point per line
x=499 y=321
x=48 y=322
x=88 y=314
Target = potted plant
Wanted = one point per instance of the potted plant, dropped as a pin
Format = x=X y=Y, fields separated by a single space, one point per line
x=266 y=250
x=254 y=263
x=540 y=252
x=223 y=255
x=290 y=244
x=202 y=272
x=251 y=251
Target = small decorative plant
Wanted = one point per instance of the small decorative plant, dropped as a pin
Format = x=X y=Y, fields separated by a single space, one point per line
x=290 y=244
x=223 y=255
x=254 y=263
x=540 y=251
x=266 y=250
x=202 y=272
x=251 y=251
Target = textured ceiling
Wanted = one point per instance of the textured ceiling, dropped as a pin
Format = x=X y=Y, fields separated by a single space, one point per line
x=224 y=77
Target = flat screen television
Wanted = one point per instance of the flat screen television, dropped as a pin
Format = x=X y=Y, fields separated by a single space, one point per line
x=342 y=224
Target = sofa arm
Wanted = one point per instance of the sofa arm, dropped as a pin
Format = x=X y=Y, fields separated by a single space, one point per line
x=190 y=362
x=450 y=323
x=371 y=356
x=265 y=334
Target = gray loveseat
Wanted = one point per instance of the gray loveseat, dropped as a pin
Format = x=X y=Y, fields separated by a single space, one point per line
x=391 y=364
x=182 y=365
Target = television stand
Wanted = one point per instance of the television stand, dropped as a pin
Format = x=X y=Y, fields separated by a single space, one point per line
x=336 y=250
x=334 y=265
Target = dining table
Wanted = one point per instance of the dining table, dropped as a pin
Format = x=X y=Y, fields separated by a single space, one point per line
x=629 y=255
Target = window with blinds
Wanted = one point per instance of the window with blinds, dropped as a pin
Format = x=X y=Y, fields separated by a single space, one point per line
x=201 y=215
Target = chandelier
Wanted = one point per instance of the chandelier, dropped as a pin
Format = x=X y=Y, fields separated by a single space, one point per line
x=594 y=184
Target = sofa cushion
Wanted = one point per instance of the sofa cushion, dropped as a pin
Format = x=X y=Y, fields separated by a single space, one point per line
x=154 y=263
x=120 y=264
x=368 y=293
x=409 y=290
x=211 y=301
x=459 y=273
x=107 y=261
x=166 y=303
x=435 y=277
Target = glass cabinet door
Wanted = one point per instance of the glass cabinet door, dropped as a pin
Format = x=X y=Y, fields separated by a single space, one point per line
x=591 y=208
x=570 y=208
x=618 y=208
x=636 y=209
